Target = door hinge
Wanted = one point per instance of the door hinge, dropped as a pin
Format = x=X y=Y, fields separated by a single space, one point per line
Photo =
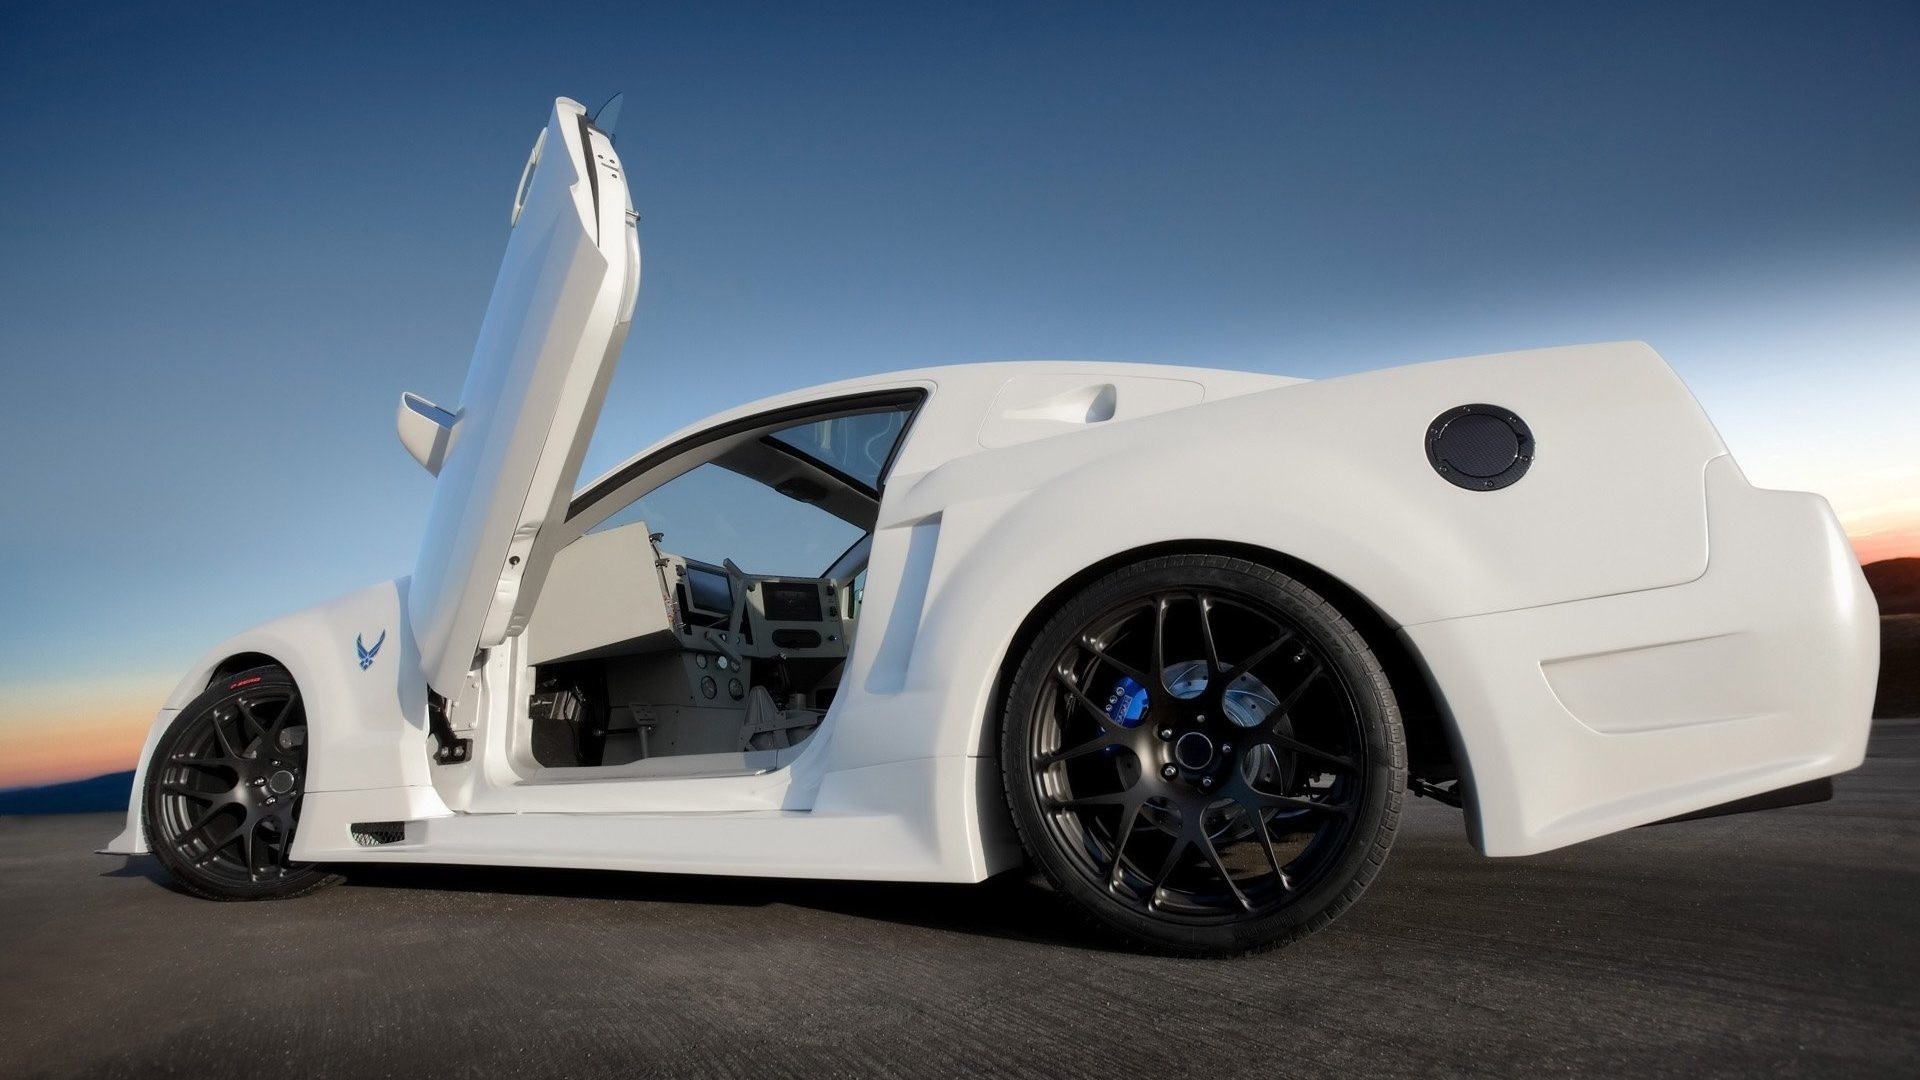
x=449 y=749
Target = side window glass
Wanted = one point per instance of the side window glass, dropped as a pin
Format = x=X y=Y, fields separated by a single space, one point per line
x=858 y=446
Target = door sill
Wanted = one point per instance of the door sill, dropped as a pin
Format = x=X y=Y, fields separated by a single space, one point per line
x=679 y=767
x=604 y=777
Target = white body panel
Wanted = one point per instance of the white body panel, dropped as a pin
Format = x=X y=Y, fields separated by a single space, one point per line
x=1591 y=716
x=553 y=329
x=1629 y=633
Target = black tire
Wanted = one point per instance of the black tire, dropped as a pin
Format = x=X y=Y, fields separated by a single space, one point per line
x=224 y=788
x=1268 y=712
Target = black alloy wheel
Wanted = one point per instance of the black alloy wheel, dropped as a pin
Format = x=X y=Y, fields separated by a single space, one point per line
x=224 y=789
x=1203 y=755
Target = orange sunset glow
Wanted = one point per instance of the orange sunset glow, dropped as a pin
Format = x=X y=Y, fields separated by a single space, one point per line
x=54 y=733
x=1892 y=532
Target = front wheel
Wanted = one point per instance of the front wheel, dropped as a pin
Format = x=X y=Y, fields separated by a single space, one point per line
x=1203 y=755
x=224 y=788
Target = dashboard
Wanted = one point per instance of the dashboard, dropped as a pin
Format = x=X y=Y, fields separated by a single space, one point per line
x=615 y=593
x=781 y=616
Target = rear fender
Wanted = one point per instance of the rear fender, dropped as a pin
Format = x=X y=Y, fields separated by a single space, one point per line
x=1333 y=473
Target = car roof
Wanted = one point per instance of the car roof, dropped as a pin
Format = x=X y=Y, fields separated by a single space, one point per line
x=981 y=377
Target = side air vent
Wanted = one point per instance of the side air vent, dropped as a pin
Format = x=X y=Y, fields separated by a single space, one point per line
x=378 y=833
x=1479 y=447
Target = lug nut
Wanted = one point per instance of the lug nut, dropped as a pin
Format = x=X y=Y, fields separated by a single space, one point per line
x=1169 y=771
x=1166 y=733
x=1206 y=784
x=1226 y=748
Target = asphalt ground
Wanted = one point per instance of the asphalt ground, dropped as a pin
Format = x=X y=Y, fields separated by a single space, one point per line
x=1784 y=943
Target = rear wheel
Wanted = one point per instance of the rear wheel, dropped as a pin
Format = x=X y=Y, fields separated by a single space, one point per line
x=224 y=788
x=1203 y=755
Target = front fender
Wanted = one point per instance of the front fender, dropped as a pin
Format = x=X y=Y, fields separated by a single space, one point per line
x=367 y=723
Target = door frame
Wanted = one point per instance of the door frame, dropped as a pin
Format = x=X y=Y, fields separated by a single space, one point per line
x=492 y=782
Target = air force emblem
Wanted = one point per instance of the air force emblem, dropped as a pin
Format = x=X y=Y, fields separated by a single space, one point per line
x=367 y=654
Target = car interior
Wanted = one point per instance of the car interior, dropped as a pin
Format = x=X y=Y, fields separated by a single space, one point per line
x=700 y=620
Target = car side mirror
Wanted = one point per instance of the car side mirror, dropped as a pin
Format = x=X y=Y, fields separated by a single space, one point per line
x=426 y=430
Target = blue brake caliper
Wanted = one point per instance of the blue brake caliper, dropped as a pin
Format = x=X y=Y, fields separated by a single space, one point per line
x=1126 y=702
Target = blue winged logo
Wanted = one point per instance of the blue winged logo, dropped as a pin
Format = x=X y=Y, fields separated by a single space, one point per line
x=367 y=654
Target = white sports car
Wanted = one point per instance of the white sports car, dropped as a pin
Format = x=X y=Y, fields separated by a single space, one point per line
x=1182 y=638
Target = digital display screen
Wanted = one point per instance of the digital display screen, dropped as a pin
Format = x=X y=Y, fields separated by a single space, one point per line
x=709 y=590
x=792 y=601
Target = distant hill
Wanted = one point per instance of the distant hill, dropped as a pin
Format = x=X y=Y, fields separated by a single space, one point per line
x=1896 y=584
x=1899 y=692
x=109 y=792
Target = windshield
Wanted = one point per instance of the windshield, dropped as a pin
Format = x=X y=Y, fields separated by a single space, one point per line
x=712 y=514
x=787 y=501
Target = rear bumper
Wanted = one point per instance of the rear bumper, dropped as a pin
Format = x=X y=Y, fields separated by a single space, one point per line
x=1579 y=719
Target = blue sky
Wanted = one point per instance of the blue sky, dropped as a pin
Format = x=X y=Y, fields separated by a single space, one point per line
x=233 y=235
